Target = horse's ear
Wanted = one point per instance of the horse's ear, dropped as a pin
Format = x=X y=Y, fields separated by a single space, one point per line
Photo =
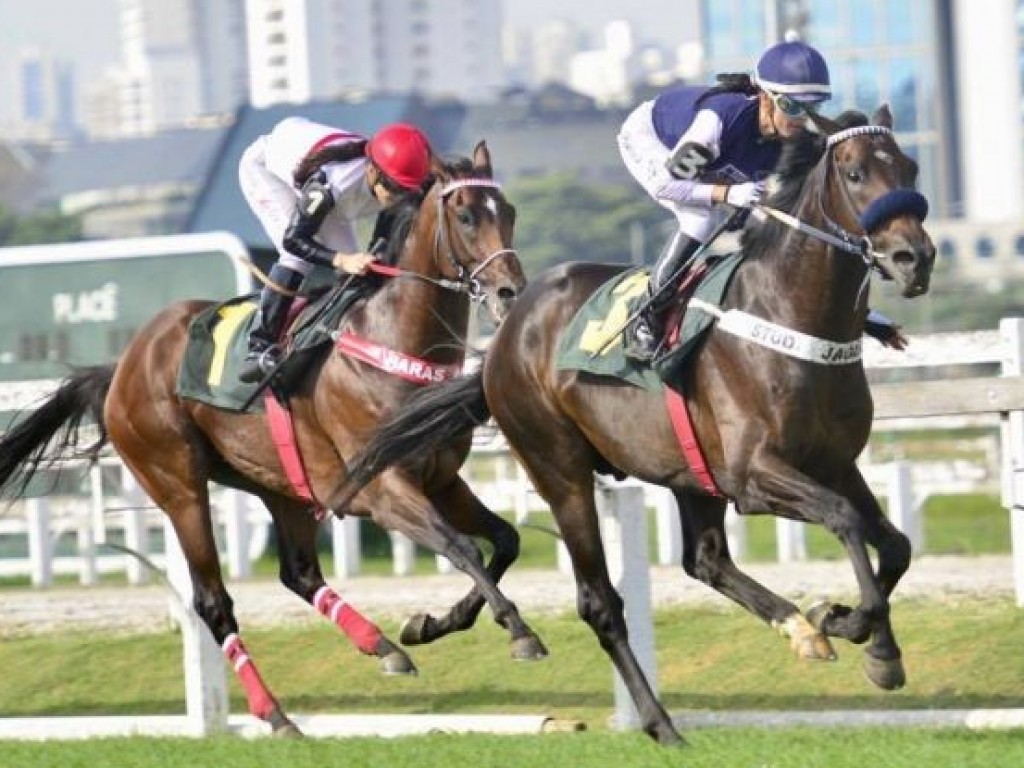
x=482 y=159
x=883 y=116
x=823 y=124
x=437 y=167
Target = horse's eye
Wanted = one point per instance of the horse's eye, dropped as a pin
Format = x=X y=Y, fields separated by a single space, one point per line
x=856 y=176
x=465 y=217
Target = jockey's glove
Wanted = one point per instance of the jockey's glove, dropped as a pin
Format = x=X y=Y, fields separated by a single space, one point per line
x=745 y=195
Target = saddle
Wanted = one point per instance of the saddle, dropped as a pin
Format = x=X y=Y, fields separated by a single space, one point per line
x=592 y=342
x=217 y=345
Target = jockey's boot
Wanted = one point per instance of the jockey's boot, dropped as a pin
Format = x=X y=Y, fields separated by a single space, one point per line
x=643 y=337
x=264 y=352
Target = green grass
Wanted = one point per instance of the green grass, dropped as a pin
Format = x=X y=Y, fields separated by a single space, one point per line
x=790 y=748
x=959 y=655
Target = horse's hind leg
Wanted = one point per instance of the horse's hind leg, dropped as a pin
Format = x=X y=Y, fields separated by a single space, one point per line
x=185 y=500
x=568 y=486
x=470 y=516
x=401 y=506
x=300 y=572
x=706 y=557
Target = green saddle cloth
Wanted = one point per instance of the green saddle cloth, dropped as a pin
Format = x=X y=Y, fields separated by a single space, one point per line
x=218 y=343
x=592 y=342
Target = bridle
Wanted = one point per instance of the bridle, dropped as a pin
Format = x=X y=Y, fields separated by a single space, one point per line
x=895 y=202
x=465 y=277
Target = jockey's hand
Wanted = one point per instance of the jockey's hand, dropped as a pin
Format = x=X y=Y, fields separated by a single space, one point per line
x=745 y=195
x=353 y=263
x=888 y=334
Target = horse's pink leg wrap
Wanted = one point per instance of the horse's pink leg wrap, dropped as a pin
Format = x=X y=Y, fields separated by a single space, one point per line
x=359 y=630
x=261 y=701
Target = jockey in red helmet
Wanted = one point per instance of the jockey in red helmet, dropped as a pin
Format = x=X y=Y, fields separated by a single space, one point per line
x=307 y=183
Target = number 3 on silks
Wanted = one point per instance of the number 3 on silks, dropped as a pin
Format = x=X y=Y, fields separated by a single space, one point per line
x=688 y=160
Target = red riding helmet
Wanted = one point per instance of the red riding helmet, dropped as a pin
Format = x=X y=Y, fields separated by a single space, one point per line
x=402 y=152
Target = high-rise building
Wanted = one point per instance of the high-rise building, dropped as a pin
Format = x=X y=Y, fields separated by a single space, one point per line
x=44 y=98
x=300 y=50
x=181 y=60
x=947 y=68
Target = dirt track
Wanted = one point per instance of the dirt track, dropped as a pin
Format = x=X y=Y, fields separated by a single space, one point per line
x=262 y=603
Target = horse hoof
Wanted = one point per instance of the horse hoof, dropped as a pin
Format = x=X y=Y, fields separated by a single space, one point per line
x=528 y=648
x=288 y=731
x=887 y=674
x=281 y=726
x=814 y=647
x=398 y=663
x=817 y=613
x=414 y=629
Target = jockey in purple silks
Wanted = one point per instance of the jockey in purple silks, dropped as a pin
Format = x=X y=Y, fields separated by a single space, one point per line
x=703 y=152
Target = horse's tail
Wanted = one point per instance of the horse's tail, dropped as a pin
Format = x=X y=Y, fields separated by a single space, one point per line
x=430 y=419
x=40 y=439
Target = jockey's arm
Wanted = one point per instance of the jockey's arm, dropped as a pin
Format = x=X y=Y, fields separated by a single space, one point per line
x=698 y=146
x=315 y=202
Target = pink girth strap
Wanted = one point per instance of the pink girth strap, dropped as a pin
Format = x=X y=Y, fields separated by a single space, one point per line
x=396 y=363
x=282 y=431
x=678 y=413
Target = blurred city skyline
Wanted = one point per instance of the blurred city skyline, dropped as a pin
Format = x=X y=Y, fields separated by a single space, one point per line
x=85 y=32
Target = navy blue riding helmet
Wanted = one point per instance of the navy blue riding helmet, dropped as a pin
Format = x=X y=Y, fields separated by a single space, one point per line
x=794 y=75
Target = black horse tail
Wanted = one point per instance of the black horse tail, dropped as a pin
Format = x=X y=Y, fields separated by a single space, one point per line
x=431 y=418
x=40 y=439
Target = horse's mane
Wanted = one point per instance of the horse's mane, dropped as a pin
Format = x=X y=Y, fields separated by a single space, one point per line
x=395 y=223
x=799 y=157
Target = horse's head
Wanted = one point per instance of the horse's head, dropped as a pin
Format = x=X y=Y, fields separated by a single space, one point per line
x=870 y=194
x=474 y=232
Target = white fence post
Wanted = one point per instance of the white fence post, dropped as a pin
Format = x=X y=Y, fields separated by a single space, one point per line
x=40 y=546
x=403 y=554
x=904 y=511
x=735 y=533
x=1011 y=331
x=86 y=546
x=206 y=685
x=790 y=540
x=624 y=531
x=134 y=526
x=345 y=540
x=97 y=504
x=237 y=533
x=666 y=515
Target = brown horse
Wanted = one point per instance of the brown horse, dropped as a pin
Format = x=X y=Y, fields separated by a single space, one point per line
x=457 y=244
x=780 y=421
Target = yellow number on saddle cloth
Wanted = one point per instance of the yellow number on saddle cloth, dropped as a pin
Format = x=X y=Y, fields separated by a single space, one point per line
x=231 y=317
x=597 y=336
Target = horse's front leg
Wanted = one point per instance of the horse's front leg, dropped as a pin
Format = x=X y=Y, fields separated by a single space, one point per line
x=706 y=557
x=460 y=507
x=775 y=486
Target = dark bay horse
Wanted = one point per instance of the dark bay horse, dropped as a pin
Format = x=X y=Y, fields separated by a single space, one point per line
x=780 y=422
x=456 y=244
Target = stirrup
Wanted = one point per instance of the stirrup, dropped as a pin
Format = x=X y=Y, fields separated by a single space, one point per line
x=259 y=363
x=641 y=344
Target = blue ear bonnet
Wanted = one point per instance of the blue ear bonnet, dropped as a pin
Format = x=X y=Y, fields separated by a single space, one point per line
x=898 y=202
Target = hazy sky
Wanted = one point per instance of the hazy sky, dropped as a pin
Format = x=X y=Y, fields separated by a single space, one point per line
x=85 y=31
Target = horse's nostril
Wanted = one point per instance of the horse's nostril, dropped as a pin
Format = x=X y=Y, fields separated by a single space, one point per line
x=904 y=258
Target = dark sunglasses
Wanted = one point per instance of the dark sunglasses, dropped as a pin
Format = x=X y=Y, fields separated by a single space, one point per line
x=391 y=186
x=788 y=106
